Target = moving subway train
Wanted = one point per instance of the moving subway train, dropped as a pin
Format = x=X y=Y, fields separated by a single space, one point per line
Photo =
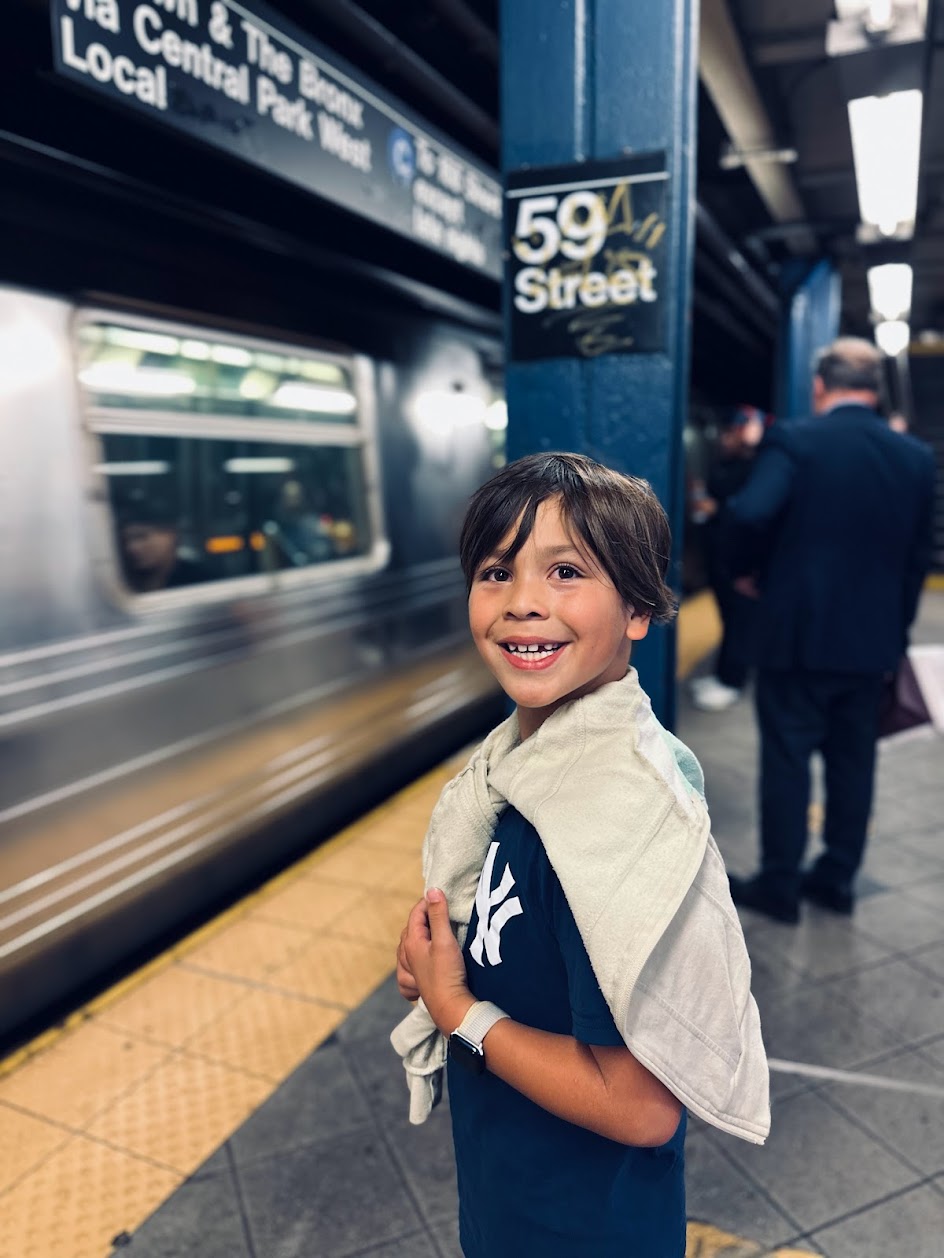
x=231 y=611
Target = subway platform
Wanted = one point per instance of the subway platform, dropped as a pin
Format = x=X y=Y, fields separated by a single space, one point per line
x=239 y=1098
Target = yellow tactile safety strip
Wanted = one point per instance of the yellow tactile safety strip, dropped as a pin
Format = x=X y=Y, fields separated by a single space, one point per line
x=103 y=1117
x=699 y=632
x=705 y=1241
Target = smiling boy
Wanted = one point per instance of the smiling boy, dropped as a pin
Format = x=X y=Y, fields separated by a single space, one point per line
x=569 y=865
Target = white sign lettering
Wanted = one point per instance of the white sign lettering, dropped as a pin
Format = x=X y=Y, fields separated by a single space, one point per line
x=246 y=81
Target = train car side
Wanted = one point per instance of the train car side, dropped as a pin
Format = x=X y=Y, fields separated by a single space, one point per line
x=163 y=746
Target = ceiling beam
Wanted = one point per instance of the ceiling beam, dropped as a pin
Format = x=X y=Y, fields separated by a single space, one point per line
x=398 y=56
x=789 y=49
x=730 y=84
x=482 y=38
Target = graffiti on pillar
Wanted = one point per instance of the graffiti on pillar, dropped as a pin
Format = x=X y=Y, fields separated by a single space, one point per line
x=586 y=258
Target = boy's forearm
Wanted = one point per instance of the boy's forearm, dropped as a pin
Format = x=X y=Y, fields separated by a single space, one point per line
x=604 y=1090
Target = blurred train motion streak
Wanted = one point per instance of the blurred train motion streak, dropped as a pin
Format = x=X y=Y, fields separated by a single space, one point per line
x=231 y=613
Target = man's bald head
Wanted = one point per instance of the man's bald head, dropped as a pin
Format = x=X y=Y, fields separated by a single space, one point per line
x=849 y=370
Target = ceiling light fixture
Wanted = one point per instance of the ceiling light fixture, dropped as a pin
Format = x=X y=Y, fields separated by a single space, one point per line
x=890 y=290
x=892 y=336
x=880 y=15
x=886 y=143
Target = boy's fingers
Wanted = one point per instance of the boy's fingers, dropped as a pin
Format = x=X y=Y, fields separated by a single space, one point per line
x=438 y=912
x=417 y=923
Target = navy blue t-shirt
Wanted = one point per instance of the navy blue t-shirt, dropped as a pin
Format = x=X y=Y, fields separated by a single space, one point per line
x=529 y=1182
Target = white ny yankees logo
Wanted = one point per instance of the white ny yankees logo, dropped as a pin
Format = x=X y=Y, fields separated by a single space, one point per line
x=488 y=934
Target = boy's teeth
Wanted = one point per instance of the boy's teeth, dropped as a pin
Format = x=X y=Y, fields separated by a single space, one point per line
x=532 y=648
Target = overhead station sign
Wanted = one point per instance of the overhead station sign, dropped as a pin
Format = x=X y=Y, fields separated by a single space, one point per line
x=244 y=80
x=587 y=258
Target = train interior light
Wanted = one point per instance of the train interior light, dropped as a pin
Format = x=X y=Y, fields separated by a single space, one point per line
x=124 y=377
x=259 y=465
x=309 y=397
x=134 y=467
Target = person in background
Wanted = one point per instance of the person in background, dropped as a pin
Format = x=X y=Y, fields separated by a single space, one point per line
x=740 y=434
x=149 y=538
x=302 y=535
x=841 y=508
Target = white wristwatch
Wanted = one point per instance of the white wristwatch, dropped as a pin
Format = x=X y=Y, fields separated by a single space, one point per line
x=465 y=1043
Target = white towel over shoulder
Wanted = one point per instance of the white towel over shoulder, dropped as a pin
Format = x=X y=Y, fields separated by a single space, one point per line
x=617 y=802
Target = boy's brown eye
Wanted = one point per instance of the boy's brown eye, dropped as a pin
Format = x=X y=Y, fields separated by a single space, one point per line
x=566 y=571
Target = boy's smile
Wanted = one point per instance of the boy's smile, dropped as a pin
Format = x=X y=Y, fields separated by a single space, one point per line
x=549 y=623
x=531 y=653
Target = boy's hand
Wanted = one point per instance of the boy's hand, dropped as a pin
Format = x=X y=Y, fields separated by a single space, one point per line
x=405 y=980
x=430 y=963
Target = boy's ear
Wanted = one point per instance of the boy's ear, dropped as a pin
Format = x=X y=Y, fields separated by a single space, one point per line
x=638 y=626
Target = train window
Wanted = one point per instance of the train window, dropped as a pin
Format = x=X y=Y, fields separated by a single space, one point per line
x=224 y=460
x=139 y=369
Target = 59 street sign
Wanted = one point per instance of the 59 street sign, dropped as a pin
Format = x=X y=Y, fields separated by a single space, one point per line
x=586 y=258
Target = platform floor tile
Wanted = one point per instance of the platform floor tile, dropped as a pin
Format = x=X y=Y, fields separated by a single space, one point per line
x=181 y=1112
x=266 y=1033
x=310 y=904
x=375 y=866
x=79 y=1199
x=81 y=1075
x=249 y=948
x=340 y=971
x=909 y=1223
x=173 y=1006
x=25 y=1141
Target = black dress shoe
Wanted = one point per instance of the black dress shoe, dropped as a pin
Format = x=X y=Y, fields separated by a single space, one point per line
x=751 y=893
x=828 y=896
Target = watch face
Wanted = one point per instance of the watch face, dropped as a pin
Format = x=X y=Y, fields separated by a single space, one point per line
x=470 y=1056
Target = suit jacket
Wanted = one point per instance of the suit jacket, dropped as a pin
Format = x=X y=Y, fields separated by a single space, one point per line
x=838 y=510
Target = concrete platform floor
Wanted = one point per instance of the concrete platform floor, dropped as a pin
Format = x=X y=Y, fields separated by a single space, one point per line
x=853 y=1017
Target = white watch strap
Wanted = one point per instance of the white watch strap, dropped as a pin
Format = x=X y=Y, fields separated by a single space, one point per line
x=479 y=1021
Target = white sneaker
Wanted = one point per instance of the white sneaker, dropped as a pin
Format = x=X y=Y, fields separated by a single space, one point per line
x=714 y=696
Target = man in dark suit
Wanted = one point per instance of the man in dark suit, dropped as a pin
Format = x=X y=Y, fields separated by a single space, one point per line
x=838 y=507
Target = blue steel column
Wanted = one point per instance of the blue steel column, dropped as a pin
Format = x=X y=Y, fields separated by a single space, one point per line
x=593 y=79
x=809 y=321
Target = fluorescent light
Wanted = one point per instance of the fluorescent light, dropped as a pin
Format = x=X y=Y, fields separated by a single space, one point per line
x=198 y=350
x=886 y=141
x=312 y=397
x=890 y=289
x=880 y=15
x=892 y=336
x=118 y=377
x=146 y=467
x=256 y=385
x=149 y=342
x=260 y=464
x=328 y=373
x=231 y=355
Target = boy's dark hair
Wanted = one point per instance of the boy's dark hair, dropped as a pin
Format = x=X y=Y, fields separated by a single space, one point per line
x=618 y=517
